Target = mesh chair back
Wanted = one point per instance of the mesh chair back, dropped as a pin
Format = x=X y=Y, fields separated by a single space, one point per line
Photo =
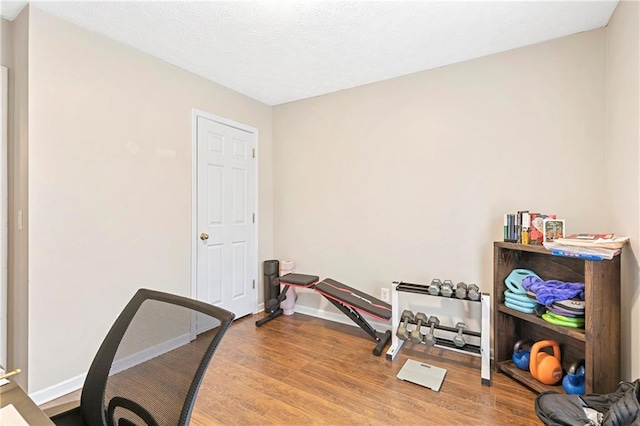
x=149 y=367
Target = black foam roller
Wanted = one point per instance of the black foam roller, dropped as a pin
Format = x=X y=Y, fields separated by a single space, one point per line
x=271 y=270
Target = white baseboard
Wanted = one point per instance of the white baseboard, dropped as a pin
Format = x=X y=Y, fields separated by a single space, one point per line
x=149 y=353
x=56 y=391
x=75 y=383
x=341 y=318
x=335 y=317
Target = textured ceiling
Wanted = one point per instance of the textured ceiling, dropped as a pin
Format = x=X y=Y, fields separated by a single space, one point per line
x=282 y=51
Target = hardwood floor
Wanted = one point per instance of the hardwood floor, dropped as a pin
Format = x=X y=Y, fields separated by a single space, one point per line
x=304 y=370
x=301 y=370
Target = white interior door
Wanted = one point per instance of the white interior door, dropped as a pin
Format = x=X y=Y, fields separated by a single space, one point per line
x=226 y=190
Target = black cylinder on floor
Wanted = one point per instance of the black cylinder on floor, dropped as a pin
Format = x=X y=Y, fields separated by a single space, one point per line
x=271 y=270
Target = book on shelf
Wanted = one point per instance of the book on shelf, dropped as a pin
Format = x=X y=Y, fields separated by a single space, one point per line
x=581 y=252
x=553 y=229
x=590 y=237
x=536 y=229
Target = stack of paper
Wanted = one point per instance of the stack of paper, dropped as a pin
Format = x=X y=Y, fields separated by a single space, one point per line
x=588 y=246
x=609 y=241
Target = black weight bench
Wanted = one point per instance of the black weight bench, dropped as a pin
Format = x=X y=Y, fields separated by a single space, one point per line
x=347 y=299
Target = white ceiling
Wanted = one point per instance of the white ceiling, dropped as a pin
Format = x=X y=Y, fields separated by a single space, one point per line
x=282 y=51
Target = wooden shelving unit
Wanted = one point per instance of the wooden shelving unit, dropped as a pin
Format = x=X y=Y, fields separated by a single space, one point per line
x=598 y=343
x=508 y=368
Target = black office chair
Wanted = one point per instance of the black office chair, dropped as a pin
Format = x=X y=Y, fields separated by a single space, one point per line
x=150 y=365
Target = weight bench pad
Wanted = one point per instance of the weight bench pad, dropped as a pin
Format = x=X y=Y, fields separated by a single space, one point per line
x=354 y=298
x=299 y=280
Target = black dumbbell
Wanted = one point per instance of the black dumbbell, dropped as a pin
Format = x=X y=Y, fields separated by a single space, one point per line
x=473 y=292
x=446 y=289
x=402 y=332
x=430 y=339
x=434 y=287
x=416 y=333
x=461 y=290
x=458 y=339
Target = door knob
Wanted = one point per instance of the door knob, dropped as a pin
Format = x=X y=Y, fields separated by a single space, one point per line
x=204 y=236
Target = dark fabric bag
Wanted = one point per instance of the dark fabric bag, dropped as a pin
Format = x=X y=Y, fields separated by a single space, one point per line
x=619 y=408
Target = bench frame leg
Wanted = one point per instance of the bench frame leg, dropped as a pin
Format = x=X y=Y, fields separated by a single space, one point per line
x=355 y=316
x=275 y=314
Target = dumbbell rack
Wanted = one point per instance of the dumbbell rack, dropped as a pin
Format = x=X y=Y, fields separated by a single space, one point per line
x=482 y=351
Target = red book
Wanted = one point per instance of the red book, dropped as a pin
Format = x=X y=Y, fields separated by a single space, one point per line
x=536 y=230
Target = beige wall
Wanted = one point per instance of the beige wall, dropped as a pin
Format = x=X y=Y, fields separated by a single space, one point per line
x=17 y=264
x=110 y=211
x=623 y=180
x=408 y=179
x=6 y=43
x=6 y=58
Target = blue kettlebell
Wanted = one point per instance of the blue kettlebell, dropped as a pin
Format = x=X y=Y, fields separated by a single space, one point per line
x=574 y=382
x=521 y=354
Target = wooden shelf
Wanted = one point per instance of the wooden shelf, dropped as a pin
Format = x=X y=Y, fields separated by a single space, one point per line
x=522 y=247
x=524 y=377
x=576 y=333
x=598 y=343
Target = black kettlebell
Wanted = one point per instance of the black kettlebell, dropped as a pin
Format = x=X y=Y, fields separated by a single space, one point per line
x=521 y=353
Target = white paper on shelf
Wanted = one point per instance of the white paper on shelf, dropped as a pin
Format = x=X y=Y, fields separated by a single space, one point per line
x=608 y=243
x=605 y=253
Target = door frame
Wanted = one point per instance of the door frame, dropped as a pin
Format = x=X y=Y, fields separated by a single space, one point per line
x=4 y=178
x=195 y=113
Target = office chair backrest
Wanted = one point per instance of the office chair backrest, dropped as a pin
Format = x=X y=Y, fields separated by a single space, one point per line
x=151 y=363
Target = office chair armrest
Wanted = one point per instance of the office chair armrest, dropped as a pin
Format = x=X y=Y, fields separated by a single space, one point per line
x=61 y=409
